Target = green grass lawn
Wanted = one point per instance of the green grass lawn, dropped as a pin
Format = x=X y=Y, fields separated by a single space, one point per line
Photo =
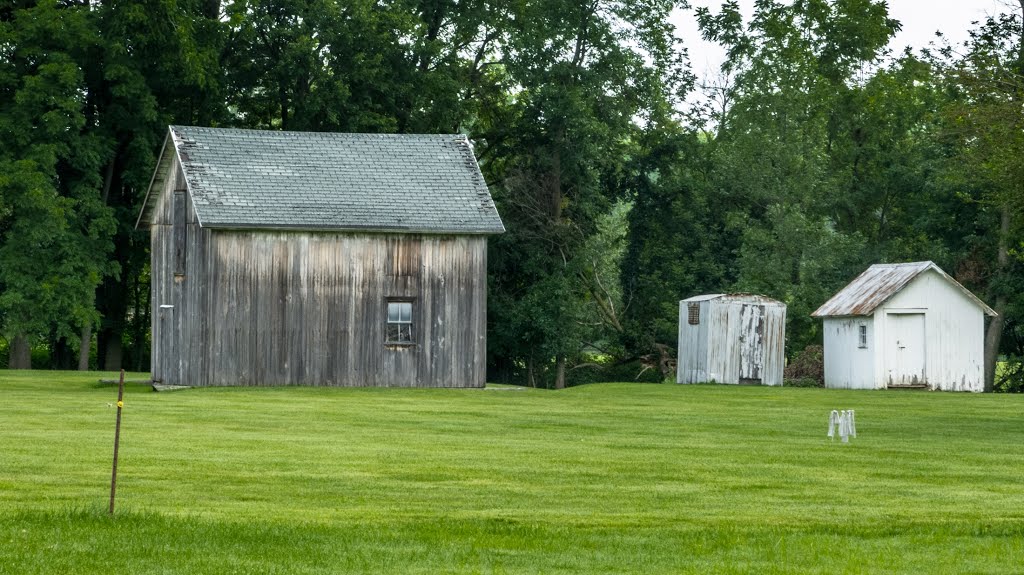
x=611 y=478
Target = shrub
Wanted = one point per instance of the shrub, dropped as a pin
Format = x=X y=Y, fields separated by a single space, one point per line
x=802 y=382
x=1010 y=375
x=807 y=369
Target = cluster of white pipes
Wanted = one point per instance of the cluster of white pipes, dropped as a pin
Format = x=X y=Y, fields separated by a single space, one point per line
x=843 y=424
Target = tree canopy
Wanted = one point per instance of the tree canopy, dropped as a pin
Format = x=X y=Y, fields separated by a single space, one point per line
x=625 y=185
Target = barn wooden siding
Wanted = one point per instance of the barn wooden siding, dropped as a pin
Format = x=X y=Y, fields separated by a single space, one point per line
x=291 y=307
x=739 y=339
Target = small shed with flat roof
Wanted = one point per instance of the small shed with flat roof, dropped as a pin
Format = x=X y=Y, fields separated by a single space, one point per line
x=283 y=258
x=906 y=325
x=731 y=338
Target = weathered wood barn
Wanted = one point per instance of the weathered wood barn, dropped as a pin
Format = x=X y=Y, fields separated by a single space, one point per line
x=318 y=259
x=904 y=325
x=731 y=338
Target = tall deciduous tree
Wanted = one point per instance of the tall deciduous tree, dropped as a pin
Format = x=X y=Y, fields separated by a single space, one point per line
x=678 y=242
x=55 y=240
x=985 y=120
x=785 y=163
x=86 y=92
x=582 y=75
x=156 y=62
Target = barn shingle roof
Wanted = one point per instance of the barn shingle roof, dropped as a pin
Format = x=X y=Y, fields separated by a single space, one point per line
x=327 y=181
x=880 y=282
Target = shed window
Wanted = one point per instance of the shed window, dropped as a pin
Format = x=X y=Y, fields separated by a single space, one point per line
x=399 y=323
x=693 y=313
x=862 y=336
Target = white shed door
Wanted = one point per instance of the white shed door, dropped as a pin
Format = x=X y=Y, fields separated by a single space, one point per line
x=905 y=348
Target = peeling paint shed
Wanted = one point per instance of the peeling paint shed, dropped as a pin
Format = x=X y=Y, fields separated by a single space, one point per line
x=731 y=338
x=904 y=325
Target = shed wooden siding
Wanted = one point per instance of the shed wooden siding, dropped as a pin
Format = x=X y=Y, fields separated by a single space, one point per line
x=279 y=308
x=954 y=333
x=727 y=346
x=847 y=365
x=692 y=357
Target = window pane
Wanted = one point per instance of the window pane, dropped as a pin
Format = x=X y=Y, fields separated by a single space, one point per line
x=398 y=328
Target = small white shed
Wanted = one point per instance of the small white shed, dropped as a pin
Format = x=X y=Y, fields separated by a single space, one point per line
x=904 y=325
x=731 y=338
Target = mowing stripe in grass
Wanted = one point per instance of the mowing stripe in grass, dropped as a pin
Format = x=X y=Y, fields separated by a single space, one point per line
x=611 y=478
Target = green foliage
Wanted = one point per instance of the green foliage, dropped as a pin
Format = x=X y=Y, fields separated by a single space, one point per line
x=800 y=262
x=86 y=93
x=1010 y=376
x=556 y=145
x=678 y=242
x=766 y=201
x=818 y=153
x=54 y=233
x=819 y=158
x=807 y=368
x=782 y=150
x=981 y=126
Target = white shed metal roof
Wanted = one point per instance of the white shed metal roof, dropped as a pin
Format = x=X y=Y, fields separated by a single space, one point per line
x=878 y=284
x=741 y=297
x=704 y=297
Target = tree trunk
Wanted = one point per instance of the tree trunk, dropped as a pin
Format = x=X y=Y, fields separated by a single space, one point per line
x=555 y=184
x=83 y=348
x=560 y=372
x=211 y=9
x=112 y=359
x=995 y=327
x=61 y=355
x=141 y=322
x=108 y=179
x=994 y=335
x=21 y=353
x=282 y=95
x=531 y=379
x=992 y=339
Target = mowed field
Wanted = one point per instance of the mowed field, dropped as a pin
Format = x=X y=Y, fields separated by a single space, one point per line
x=609 y=478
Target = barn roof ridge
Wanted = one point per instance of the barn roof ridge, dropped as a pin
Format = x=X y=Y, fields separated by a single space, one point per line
x=879 y=283
x=256 y=179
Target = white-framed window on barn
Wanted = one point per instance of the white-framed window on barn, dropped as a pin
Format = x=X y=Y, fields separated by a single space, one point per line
x=399 y=326
x=862 y=336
